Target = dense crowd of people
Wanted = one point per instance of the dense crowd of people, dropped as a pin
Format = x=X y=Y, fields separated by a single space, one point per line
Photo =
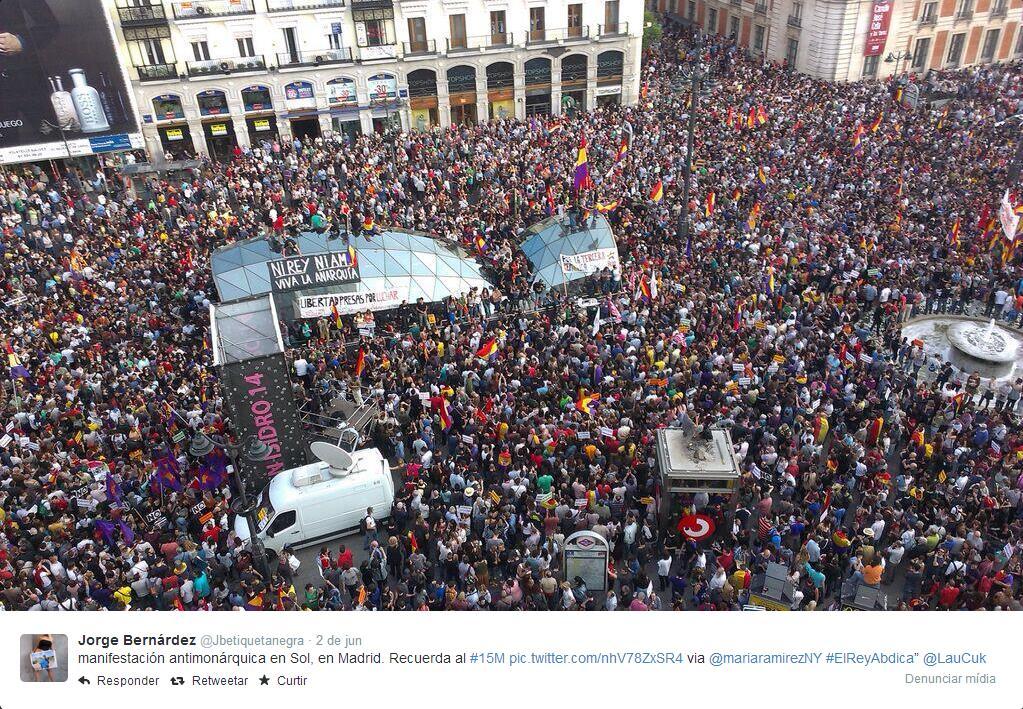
x=836 y=215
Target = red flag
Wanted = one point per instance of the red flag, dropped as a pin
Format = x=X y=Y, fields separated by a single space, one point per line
x=488 y=349
x=360 y=362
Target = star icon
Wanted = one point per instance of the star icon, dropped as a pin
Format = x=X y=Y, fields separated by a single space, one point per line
x=264 y=680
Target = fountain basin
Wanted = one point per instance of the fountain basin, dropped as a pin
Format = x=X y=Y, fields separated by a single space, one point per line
x=991 y=350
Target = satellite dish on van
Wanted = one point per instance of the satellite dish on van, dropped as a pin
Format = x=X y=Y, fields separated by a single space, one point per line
x=340 y=462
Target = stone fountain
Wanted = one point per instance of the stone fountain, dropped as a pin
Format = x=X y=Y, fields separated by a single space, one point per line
x=992 y=351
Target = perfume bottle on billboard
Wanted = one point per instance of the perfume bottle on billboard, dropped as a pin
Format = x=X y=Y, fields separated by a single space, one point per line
x=110 y=97
x=86 y=99
x=63 y=106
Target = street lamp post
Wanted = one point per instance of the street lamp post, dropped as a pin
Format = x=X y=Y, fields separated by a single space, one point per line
x=897 y=57
x=695 y=77
x=253 y=450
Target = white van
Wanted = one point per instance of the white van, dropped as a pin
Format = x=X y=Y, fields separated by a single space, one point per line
x=318 y=502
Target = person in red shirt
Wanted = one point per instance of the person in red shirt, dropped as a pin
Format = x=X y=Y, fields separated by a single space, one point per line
x=948 y=596
x=344 y=558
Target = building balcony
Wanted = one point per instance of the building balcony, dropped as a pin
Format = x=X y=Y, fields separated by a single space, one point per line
x=157 y=72
x=205 y=9
x=999 y=12
x=378 y=51
x=928 y=21
x=735 y=3
x=480 y=43
x=618 y=29
x=297 y=5
x=422 y=48
x=223 y=67
x=141 y=15
x=794 y=21
x=558 y=36
x=964 y=16
x=318 y=57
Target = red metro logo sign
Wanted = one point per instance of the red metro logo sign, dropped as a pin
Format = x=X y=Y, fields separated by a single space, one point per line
x=696 y=527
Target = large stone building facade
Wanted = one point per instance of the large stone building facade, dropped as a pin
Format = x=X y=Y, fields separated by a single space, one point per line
x=212 y=74
x=847 y=40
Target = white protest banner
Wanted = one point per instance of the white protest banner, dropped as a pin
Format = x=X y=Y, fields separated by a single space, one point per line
x=590 y=261
x=316 y=306
x=1008 y=217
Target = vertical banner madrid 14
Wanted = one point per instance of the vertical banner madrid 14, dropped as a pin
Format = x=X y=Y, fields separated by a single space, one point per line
x=62 y=89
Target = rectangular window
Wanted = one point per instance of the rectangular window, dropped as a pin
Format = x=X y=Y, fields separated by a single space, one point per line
x=758 y=37
x=610 y=16
x=457 y=25
x=797 y=10
x=921 y=52
x=733 y=27
x=930 y=11
x=990 y=45
x=955 y=49
x=792 y=52
x=712 y=20
x=691 y=10
x=575 y=20
x=201 y=51
x=965 y=8
x=245 y=48
x=291 y=43
x=151 y=51
x=870 y=66
x=536 y=23
x=374 y=27
x=334 y=40
x=498 y=28
x=417 y=34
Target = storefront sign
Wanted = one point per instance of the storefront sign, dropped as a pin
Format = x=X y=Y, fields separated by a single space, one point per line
x=261 y=124
x=382 y=87
x=877 y=31
x=317 y=306
x=608 y=90
x=175 y=134
x=218 y=129
x=590 y=261
x=297 y=272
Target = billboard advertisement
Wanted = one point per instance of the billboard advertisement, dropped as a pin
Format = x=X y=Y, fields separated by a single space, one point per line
x=63 y=91
x=877 y=31
x=258 y=397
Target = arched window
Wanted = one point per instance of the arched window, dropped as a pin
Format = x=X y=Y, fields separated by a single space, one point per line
x=168 y=107
x=573 y=69
x=538 y=72
x=257 y=98
x=500 y=75
x=461 y=79
x=422 y=82
x=212 y=103
x=609 y=66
